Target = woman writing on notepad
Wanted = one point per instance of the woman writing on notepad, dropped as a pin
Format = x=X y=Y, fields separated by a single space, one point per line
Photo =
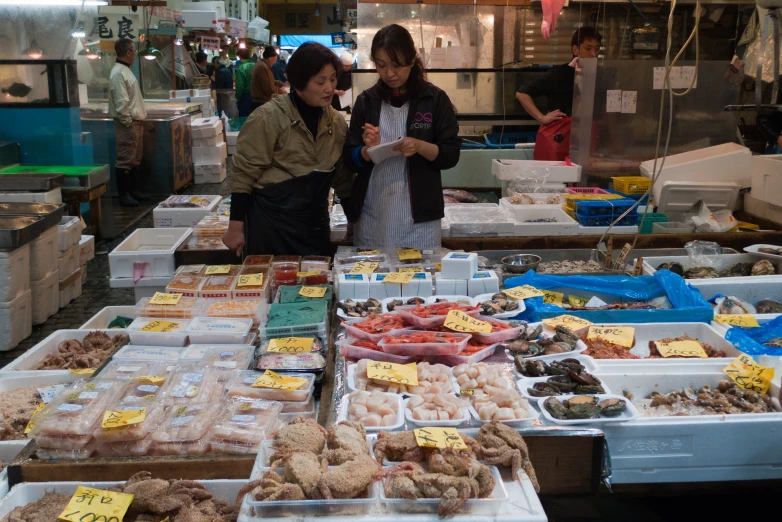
x=399 y=200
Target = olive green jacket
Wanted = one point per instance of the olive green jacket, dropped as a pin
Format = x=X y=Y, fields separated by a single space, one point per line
x=274 y=145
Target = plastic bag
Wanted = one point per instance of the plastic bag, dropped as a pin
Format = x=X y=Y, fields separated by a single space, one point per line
x=750 y=340
x=535 y=185
x=688 y=304
x=705 y=220
x=701 y=253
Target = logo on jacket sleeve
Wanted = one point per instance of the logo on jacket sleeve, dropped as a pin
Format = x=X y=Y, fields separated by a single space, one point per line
x=422 y=120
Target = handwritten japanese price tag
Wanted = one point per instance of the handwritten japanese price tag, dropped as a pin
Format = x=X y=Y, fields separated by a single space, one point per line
x=620 y=259
x=571 y=321
x=270 y=379
x=743 y=320
x=412 y=269
x=749 y=375
x=156 y=380
x=160 y=326
x=441 y=438
x=368 y=252
x=458 y=321
x=554 y=298
x=391 y=372
x=290 y=345
x=311 y=273
x=217 y=269
x=161 y=298
x=438 y=267
x=681 y=349
x=313 y=291
x=398 y=277
x=364 y=267
x=574 y=300
x=81 y=371
x=30 y=424
x=408 y=254
x=522 y=292
x=90 y=504
x=249 y=280
x=119 y=418
x=621 y=335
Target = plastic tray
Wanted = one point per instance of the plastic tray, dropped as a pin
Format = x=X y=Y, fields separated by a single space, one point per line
x=102 y=319
x=423 y=349
x=586 y=190
x=605 y=221
x=477 y=300
x=235 y=308
x=185 y=284
x=499 y=336
x=400 y=416
x=631 y=184
x=125 y=370
x=244 y=424
x=318 y=328
x=186 y=308
x=240 y=386
x=463 y=299
x=527 y=382
x=631 y=413
x=258 y=260
x=187 y=386
x=351 y=380
x=313 y=362
x=587 y=362
x=176 y=337
x=450 y=423
x=73 y=414
x=456 y=360
x=185 y=423
x=163 y=354
x=208 y=330
x=534 y=415
x=427 y=322
x=347 y=349
x=236 y=358
x=361 y=334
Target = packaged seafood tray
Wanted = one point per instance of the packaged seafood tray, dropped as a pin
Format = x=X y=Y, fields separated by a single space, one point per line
x=241 y=383
x=408 y=343
x=211 y=226
x=318 y=345
x=441 y=403
x=309 y=263
x=202 y=243
x=610 y=207
x=242 y=426
x=186 y=308
x=147 y=252
x=292 y=319
x=162 y=354
x=352 y=348
x=124 y=448
x=465 y=357
x=68 y=420
x=185 y=423
x=191 y=270
x=291 y=409
x=219 y=330
x=605 y=221
x=148 y=331
x=501 y=331
x=432 y=378
x=701 y=269
x=258 y=260
x=188 y=385
x=684 y=448
x=353 y=257
x=493 y=305
x=587 y=409
x=284 y=259
x=372 y=420
x=531 y=200
x=236 y=308
x=187 y=285
x=243 y=290
x=132 y=432
x=382 y=268
x=184 y=211
x=432 y=315
x=530 y=414
x=124 y=371
x=290 y=294
x=235 y=358
x=313 y=363
x=144 y=390
x=217 y=287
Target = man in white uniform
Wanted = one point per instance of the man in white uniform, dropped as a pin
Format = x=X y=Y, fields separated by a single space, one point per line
x=126 y=106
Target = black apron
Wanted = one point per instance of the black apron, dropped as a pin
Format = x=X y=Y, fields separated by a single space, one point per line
x=291 y=217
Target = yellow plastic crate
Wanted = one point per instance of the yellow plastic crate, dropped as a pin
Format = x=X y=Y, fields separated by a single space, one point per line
x=570 y=199
x=632 y=184
x=569 y=212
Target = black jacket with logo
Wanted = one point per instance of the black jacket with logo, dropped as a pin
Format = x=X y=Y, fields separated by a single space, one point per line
x=431 y=118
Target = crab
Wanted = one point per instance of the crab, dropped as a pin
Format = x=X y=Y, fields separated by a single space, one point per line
x=345 y=440
x=301 y=435
x=501 y=444
x=402 y=446
x=350 y=479
x=301 y=468
x=271 y=487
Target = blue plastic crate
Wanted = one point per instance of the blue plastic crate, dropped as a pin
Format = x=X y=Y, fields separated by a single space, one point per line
x=604 y=221
x=472 y=145
x=608 y=207
x=509 y=139
x=644 y=198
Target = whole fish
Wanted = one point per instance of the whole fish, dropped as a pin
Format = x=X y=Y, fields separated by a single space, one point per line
x=17 y=90
x=460 y=195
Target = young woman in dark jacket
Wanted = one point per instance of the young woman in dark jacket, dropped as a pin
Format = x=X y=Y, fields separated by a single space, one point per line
x=399 y=201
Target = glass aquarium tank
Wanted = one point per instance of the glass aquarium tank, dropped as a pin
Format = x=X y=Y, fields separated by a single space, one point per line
x=38 y=83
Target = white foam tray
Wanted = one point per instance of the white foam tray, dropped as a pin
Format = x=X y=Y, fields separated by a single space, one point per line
x=183 y=217
x=156 y=263
x=598 y=231
x=753 y=249
x=400 y=413
x=553 y=171
x=580 y=347
x=107 y=315
x=718 y=262
x=757 y=289
x=631 y=413
x=528 y=382
x=564 y=226
x=451 y=423
x=534 y=415
x=589 y=363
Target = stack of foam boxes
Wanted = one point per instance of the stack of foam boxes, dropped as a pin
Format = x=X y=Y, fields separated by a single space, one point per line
x=200 y=96
x=86 y=253
x=45 y=275
x=460 y=276
x=230 y=138
x=210 y=152
x=16 y=320
x=69 y=235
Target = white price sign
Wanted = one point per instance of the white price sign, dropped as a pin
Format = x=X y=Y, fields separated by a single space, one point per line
x=210 y=43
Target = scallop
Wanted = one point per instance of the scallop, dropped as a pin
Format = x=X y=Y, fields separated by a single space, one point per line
x=372 y=420
x=389 y=420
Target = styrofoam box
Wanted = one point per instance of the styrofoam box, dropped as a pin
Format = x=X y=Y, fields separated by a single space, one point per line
x=517 y=208
x=231 y=137
x=45 y=297
x=183 y=217
x=16 y=321
x=176 y=338
x=766 y=179
x=420 y=286
x=676 y=197
x=689 y=449
x=27 y=492
x=151 y=263
x=8 y=452
x=468 y=220
x=564 y=226
x=200 y=179
x=51 y=196
x=70 y=288
x=450 y=286
x=209 y=141
x=44 y=253
x=751 y=291
x=218 y=154
x=597 y=231
x=206 y=127
x=553 y=171
x=199 y=19
x=208 y=168
x=144 y=287
x=86 y=249
x=103 y=318
x=14 y=273
x=380 y=290
x=231 y=150
x=69 y=232
x=483 y=282
x=68 y=261
x=719 y=263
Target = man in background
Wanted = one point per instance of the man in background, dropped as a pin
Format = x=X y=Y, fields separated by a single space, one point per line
x=202 y=63
x=264 y=86
x=244 y=73
x=278 y=68
x=344 y=80
x=126 y=107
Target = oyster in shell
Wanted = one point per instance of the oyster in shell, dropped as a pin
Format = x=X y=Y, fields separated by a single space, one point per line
x=701 y=272
x=732 y=305
x=738 y=270
x=763 y=267
x=767 y=306
x=674 y=267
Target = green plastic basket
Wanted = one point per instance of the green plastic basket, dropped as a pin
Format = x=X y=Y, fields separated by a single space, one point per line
x=651 y=217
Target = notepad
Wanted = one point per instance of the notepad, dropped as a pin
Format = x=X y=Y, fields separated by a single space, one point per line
x=380 y=153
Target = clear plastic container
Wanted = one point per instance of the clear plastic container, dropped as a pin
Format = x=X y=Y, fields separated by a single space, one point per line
x=185 y=284
x=418 y=349
x=498 y=336
x=348 y=349
x=124 y=370
x=258 y=260
x=432 y=321
x=144 y=391
x=456 y=360
x=281 y=260
x=290 y=294
x=296 y=320
x=191 y=385
x=235 y=358
x=196 y=352
x=351 y=258
x=317 y=345
x=244 y=424
x=254 y=291
x=218 y=287
x=380 y=324
x=305 y=407
x=54 y=454
x=192 y=270
x=250 y=308
x=129 y=448
x=219 y=330
x=185 y=423
x=240 y=385
x=148 y=353
x=186 y=308
x=130 y=432
x=175 y=334
x=196 y=447
x=382 y=268
x=74 y=413
x=309 y=263
x=293 y=362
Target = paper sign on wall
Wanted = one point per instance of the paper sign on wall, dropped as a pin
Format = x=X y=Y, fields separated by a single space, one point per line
x=629 y=101
x=613 y=101
x=210 y=43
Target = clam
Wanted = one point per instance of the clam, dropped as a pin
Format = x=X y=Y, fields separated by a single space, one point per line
x=543 y=389
x=763 y=267
x=674 y=267
x=738 y=270
x=767 y=306
x=732 y=305
x=555 y=408
x=767 y=250
x=562 y=383
x=581 y=400
x=393 y=304
x=701 y=272
x=612 y=407
x=558 y=347
x=588 y=389
x=583 y=411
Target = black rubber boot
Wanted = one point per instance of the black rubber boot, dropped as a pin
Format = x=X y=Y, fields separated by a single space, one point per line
x=123 y=180
x=135 y=192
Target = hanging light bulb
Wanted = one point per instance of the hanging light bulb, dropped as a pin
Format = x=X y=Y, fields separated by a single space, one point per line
x=179 y=41
x=317 y=11
x=34 y=51
x=242 y=45
x=91 y=53
x=78 y=31
x=150 y=53
x=228 y=40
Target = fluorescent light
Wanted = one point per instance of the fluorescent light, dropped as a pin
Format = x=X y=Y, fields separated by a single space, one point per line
x=56 y=3
x=79 y=34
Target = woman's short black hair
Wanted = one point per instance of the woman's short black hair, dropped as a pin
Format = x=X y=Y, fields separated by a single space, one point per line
x=308 y=60
x=397 y=42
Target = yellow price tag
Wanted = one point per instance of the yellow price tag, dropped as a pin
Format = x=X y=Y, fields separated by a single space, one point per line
x=311 y=273
x=574 y=300
x=749 y=375
x=392 y=372
x=621 y=335
x=554 y=298
x=408 y=254
x=160 y=326
x=438 y=267
x=368 y=252
x=90 y=504
x=217 y=269
x=30 y=424
x=441 y=438
x=156 y=380
x=364 y=267
x=249 y=280
x=743 y=320
x=120 y=418
x=522 y=292
x=290 y=345
x=161 y=298
x=412 y=269
x=313 y=291
x=681 y=349
x=399 y=277
x=571 y=321
x=458 y=321
x=81 y=371
x=270 y=379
